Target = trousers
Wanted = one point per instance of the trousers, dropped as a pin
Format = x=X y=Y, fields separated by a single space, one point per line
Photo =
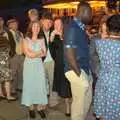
x=81 y=87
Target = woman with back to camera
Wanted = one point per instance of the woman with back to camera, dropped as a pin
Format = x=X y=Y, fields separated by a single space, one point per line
x=107 y=91
x=61 y=85
x=34 y=84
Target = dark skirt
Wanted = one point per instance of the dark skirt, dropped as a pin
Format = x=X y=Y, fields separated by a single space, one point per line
x=61 y=85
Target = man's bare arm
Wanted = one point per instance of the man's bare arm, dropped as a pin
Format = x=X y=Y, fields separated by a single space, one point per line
x=70 y=54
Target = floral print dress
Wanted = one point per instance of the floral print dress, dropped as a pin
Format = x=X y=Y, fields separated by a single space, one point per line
x=107 y=91
x=5 y=71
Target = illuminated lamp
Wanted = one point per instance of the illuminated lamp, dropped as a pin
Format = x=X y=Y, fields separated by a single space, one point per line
x=93 y=4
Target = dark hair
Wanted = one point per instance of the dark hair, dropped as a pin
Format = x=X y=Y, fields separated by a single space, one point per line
x=113 y=24
x=47 y=15
x=29 y=30
x=84 y=5
x=57 y=18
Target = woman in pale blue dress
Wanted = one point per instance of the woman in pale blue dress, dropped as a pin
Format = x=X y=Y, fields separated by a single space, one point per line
x=34 y=82
x=107 y=91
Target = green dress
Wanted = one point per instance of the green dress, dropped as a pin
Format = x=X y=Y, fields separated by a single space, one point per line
x=34 y=82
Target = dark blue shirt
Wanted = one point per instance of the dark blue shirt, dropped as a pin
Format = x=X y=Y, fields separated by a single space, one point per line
x=75 y=37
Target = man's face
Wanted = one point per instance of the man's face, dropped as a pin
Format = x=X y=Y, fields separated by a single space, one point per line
x=13 y=26
x=47 y=24
x=87 y=17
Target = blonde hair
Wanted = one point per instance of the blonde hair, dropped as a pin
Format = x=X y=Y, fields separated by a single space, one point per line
x=33 y=12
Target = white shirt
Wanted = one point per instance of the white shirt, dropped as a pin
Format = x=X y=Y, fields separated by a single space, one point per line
x=48 y=56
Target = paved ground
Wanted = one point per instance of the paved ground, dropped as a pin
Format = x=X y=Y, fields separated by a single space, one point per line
x=14 y=111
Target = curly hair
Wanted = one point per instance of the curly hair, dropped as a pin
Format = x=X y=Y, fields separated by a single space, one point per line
x=113 y=24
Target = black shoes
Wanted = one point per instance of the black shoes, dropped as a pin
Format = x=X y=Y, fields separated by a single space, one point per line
x=32 y=114
x=2 y=98
x=67 y=114
x=97 y=118
x=42 y=114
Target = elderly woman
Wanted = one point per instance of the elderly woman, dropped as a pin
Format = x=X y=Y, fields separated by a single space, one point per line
x=107 y=91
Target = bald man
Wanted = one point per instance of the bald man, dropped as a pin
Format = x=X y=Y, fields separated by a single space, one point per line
x=77 y=68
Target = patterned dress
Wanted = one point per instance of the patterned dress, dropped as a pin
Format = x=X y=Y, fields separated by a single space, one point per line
x=107 y=92
x=5 y=71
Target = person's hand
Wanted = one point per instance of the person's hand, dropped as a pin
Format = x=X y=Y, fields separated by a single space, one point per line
x=104 y=36
x=58 y=32
x=78 y=73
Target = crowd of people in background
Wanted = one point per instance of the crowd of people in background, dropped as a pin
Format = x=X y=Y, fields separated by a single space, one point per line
x=53 y=60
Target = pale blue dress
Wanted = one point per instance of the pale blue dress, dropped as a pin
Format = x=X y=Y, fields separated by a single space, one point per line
x=34 y=82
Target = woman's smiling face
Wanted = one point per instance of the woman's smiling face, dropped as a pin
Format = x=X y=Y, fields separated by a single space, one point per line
x=36 y=28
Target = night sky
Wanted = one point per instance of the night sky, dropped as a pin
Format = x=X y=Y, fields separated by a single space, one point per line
x=8 y=4
x=18 y=9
